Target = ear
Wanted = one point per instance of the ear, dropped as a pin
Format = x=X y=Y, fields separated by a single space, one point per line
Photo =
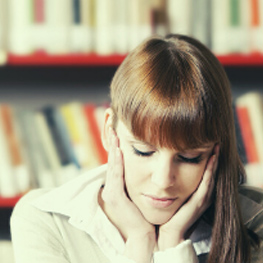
x=107 y=124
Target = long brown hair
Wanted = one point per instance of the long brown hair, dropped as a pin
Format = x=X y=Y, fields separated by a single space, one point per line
x=173 y=92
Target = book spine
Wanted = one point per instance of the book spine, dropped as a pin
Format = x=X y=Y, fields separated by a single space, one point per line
x=247 y=134
x=95 y=132
x=58 y=20
x=8 y=184
x=3 y=31
x=20 y=170
x=60 y=136
x=220 y=13
x=20 y=20
x=103 y=27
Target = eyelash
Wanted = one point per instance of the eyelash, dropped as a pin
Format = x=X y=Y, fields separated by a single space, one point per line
x=142 y=154
x=194 y=160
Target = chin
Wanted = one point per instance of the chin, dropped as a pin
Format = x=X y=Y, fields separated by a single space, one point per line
x=158 y=219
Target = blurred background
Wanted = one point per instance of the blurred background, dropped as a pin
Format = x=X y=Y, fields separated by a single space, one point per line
x=57 y=59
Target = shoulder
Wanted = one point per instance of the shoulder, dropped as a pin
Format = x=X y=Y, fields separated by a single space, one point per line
x=26 y=216
x=24 y=206
x=251 y=200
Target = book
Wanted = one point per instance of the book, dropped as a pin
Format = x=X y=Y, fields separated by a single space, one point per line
x=6 y=251
x=39 y=26
x=253 y=168
x=19 y=166
x=88 y=153
x=120 y=26
x=8 y=184
x=47 y=159
x=79 y=147
x=95 y=132
x=256 y=25
x=247 y=134
x=60 y=136
x=159 y=17
x=220 y=13
x=87 y=24
x=58 y=20
x=139 y=19
x=103 y=27
x=35 y=157
x=254 y=104
x=3 y=31
x=201 y=21
x=179 y=15
x=69 y=165
x=78 y=35
x=19 y=27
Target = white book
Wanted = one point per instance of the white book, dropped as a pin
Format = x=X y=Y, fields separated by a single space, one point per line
x=140 y=26
x=49 y=152
x=39 y=26
x=19 y=21
x=120 y=26
x=3 y=31
x=238 y=31
x=103 y=27
x=179 y=14
x=220 y=26
x=256 y=31
x=6 y=252
x=81 y=32
x=34 y=154
x=58 y=21
x=201 y=20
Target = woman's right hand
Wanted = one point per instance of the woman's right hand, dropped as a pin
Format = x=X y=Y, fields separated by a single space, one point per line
x=139 y=234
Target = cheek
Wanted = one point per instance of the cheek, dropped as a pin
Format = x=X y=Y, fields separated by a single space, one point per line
x=190 y=179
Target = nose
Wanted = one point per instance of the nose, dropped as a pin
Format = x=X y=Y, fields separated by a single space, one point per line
x=164 y=173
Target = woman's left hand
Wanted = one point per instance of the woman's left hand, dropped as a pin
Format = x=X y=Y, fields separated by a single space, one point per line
x=173 y=232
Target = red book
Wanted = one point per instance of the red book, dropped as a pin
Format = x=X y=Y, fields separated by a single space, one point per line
x=89 y=110
x=247 y=134
x=39 y=15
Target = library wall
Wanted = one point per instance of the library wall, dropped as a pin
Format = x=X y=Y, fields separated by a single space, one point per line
x=57 y=58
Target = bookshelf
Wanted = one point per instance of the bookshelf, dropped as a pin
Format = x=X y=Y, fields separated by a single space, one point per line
x=93 y=59
x=42 y=58
x=9 y=202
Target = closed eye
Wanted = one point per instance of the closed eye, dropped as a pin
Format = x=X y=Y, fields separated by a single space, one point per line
x=140 y=153
x=194 y=160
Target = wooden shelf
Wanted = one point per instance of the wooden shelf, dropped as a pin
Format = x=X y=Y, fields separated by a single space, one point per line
x=9 y=202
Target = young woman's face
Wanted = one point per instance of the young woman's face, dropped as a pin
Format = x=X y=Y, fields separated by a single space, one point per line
x=160 y=180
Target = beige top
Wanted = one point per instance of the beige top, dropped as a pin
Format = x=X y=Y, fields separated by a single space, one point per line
x=66 y=224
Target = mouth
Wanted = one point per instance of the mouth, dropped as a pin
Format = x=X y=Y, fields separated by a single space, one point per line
x=159 y=202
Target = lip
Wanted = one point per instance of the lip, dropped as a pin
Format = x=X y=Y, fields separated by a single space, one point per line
x=159 y=202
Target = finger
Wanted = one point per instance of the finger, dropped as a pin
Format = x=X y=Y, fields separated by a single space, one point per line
x=114 y=186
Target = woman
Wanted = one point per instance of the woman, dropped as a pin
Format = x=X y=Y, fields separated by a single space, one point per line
x=171 y=189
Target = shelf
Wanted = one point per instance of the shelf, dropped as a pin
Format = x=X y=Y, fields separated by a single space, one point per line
x=92 y=59
x=43 y=59
x=255 y=59
x=9 y=202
